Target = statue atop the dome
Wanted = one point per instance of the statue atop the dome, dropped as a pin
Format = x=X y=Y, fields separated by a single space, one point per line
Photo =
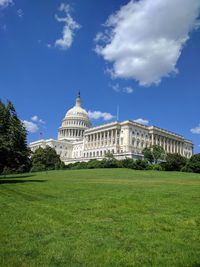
x=78 y=100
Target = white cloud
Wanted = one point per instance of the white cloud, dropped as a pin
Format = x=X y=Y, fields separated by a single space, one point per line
x=41 y=121
x=100 y=115
x=5 y=3
x=69 y=28
x=30 y=126
x=142 y=121
x=35 y=118
x=20 y=13
x=128 y=90
x=117 y=88
x=196 y=130
x=144 y=39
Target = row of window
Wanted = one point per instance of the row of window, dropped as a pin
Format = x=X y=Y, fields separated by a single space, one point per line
x=99 y=153
x=143 y=135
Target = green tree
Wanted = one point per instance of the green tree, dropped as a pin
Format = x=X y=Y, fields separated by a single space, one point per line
x=158 y=153
x=45 y=159
x=109 y=156
x=174 y=162
x=154 y=154
x=14 y=152
x=148 y=155
x=193 y=164
x=4 y=140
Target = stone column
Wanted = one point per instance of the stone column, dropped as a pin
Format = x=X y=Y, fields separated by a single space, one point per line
x=164 y=143
x=112 y=133
x=95 y=140
x=100 y=139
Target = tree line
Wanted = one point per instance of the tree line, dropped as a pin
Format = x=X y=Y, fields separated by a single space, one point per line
x=16 y=157
x=171 y=162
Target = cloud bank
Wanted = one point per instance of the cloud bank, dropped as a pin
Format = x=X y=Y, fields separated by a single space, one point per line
x=69 y=28
x=144 y=39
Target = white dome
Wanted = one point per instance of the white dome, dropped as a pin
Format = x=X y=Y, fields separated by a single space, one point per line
x=75 y=122
x=77 y=111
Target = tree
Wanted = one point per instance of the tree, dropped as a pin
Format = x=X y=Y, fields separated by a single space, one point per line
x=193 y=164
x=148 y=155
x=158 y=153
x=14 y=152
x=109 y=156
x=45 y=159
x=174 y=162
x=154 y=154
x=4 y=140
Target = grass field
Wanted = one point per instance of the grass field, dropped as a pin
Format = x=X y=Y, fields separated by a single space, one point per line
x=103 y=217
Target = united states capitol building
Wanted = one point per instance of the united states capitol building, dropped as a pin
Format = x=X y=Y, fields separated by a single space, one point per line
x=79 y=141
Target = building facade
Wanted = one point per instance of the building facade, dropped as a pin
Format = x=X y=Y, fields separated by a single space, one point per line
x=79 y=141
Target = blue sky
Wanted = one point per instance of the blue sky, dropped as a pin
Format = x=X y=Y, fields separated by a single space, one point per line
x=112 y=51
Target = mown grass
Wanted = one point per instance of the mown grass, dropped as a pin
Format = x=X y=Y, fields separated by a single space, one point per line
x=103 y=217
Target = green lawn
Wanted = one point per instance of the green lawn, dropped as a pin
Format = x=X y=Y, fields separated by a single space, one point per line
x=104 y=217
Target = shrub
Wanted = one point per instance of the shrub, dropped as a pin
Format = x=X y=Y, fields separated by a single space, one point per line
x=157 y=167
x=93 y=164
x=6 y=171
x=82 y=165
x=186 y=169
x=140 y=164
x=149 y=167
x=128 y=163
x=38 y=168
x=113 y=163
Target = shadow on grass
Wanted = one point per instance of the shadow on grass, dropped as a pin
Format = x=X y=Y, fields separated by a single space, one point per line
x=3 y=181
x=17 y=176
